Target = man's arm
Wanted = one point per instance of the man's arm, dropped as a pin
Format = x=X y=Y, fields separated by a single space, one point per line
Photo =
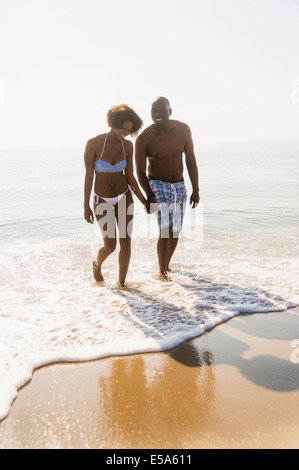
x=140 y=160
x=130 y=174
x=192 y=169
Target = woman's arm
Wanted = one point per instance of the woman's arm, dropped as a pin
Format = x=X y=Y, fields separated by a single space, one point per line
x=130 y=175
x=89 y=175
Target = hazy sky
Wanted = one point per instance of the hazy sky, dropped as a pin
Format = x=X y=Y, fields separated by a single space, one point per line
x=230 y=68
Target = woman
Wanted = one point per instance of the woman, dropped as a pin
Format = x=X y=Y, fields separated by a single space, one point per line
x=109 y=157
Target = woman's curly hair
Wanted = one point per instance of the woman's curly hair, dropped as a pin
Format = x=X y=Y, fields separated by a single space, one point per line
x=121 y=113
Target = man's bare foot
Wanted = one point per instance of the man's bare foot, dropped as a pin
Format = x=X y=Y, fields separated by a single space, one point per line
x=164 y=276
x=97 y=274
x=121 y=285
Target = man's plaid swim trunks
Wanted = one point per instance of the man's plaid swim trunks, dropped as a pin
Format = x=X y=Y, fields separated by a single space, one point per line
x=171 y=199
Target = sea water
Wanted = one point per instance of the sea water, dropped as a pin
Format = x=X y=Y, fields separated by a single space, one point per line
x=238 y=252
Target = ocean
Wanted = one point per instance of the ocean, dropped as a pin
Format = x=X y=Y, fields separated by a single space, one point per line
x=238 y=252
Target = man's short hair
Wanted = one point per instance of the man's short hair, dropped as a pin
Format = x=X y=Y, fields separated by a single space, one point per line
x=162 y=98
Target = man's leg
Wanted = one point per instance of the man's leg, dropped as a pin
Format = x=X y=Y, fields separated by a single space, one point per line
x=162 y=251
x=167 y=243
x=173 y=241
x=177 y=215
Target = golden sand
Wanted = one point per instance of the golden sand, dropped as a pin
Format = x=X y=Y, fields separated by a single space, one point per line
x=234 y=387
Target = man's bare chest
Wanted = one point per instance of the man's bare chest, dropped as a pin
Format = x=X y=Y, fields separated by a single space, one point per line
x=165 y=146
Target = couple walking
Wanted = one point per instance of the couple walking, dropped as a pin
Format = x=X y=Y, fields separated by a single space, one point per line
x=159 y=165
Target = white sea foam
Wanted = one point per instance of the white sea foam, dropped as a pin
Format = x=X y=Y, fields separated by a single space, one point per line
x=53 y=311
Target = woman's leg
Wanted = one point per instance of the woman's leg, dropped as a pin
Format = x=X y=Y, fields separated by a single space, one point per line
x=124 y=212
x=105 y=216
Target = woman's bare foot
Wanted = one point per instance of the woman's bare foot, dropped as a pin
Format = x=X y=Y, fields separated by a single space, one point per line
x=97 y=274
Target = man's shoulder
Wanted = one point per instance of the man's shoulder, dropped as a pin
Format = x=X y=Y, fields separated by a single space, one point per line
x=179 y=125
x=145 y=133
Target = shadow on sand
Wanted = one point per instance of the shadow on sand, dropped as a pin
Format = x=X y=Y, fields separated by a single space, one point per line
x=266 y=370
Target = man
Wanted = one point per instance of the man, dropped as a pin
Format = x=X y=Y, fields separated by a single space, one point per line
x=159 y=163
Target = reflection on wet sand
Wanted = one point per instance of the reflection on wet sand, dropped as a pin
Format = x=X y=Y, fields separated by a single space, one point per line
x=128 y=421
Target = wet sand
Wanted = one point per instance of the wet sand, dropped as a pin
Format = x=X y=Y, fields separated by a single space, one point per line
x=234 y=387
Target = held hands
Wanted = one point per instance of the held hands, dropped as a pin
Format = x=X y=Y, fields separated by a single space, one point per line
x=194 y=199
x=146 y=206
x=151 y=205
x=88 y=215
